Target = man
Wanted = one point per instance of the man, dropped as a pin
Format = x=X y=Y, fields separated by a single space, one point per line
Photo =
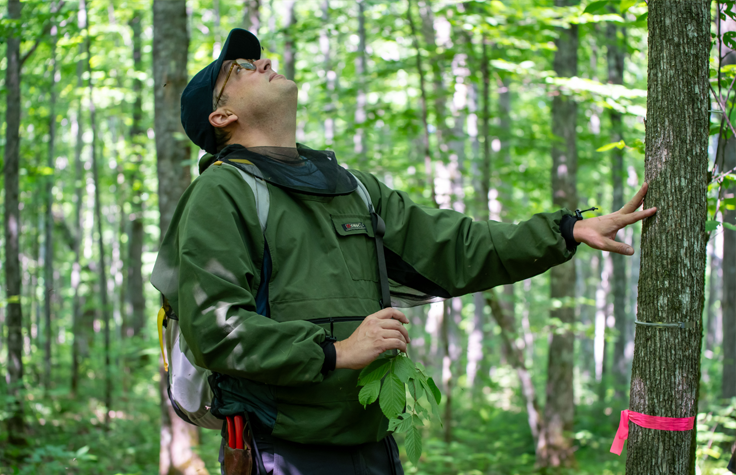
x=285 y=310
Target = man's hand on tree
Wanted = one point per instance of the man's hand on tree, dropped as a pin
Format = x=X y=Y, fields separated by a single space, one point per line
x=600 y=232
x=379 y=332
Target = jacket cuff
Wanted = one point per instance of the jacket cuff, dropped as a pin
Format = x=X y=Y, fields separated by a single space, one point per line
x=328 y=346
x=566 y=224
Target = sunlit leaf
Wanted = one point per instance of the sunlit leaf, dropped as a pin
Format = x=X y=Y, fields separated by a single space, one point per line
x=626 y=4
x=711 y=225
x=374 y=371
x=595 y=7
x=403 y=368
x=619 y=145
x=413 y=443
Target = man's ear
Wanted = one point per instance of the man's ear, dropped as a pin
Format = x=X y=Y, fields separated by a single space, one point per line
x=222 y=118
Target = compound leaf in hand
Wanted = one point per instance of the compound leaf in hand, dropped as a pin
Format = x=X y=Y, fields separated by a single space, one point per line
x=374 y=371
x=413 y=443
x=401 y=423
x=369 y=393
x=415 y=389
x=403 y=368
x=435 y=390
x=393 y=397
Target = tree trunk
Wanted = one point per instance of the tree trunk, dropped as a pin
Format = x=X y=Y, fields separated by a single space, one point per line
x=330 y=74
x=517 y=360
x=714 y=284
x=252 y=15
x=79 y=179
x=170 y=46
x=14 y=378
x=361 y=69
x=136 y=297
x=289 y=35
x=100 y=244
x=615 y=38
x=555 y=446
x=666 y=368
x=48 y=243
x=423 y=104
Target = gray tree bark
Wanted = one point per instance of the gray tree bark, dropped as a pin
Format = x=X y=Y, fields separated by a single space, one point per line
x=48 y=241
x=170 y=46
x=135 y=323
x=361 y=69
x=102 y=270
x=11 y=221
x=289 y=46
x=555 y=446
x=252 y=15
x=615 y=38
x=666 y=368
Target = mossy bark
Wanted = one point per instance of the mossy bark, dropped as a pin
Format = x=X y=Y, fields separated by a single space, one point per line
x=666 y=368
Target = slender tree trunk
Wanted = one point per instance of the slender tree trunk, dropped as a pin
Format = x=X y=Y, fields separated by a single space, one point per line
x=555 y=445
x=436 y=64
x=423 y=104
x=447 y=379
x=517 y=360
x=330 y=74
x=615 y=37
x=14 y=378
x=666 y=369
x=252 y=15
x=170 y=46
x=361 y=69
x=79 y=179
x=728 y=295
x=48 y=259
x=289 y=35
x=714 y=285
x=137 y=234
x=100 y=244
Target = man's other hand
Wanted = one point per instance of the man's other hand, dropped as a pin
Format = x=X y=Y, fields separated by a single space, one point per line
x=600 y=232
x=379 y=332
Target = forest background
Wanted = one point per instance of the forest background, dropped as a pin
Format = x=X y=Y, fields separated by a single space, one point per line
x=453 y=102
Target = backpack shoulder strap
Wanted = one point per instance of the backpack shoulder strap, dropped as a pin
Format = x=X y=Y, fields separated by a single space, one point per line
x=379 y=230
x=260 y=192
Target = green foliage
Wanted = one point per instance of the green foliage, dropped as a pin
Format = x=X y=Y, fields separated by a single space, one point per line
x=399 y=374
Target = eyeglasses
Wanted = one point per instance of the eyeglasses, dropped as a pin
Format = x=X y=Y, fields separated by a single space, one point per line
x=248 y=64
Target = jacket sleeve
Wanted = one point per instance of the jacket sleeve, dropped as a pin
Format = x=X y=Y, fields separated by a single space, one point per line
x=443 y=250
x=221 y=252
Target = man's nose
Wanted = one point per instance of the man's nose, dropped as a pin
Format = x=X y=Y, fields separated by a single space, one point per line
x=263 y=65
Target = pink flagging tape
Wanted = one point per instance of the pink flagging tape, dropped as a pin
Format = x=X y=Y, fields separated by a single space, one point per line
x=648 y=422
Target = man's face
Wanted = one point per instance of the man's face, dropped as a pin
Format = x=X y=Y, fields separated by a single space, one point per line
x=249 y=94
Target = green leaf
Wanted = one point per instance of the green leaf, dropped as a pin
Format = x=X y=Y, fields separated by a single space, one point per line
x=729 y=226
x=415 y=389
x=413 y=444
x=711 y=225
x=369 y=393
x=374 y=371
x=393 y=396
x=620 y=144
x=403 y=368
x=400 y=424
x=642 y=17
x=432 y=401
x=626 y=4
x=595 y=7
x=714 y=130
x=435 y=390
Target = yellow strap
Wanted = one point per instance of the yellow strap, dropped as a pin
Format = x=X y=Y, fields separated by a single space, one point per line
x=241 y=160
x=219 y=162
x=161 y=318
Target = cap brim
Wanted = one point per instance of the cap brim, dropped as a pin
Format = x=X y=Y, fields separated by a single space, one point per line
x=240 y=43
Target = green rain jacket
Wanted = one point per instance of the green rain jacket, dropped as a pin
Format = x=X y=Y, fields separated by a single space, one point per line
x=321 y=270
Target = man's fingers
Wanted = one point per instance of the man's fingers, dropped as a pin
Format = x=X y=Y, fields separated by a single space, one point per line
x=394 y=325
x=636 y=201
x=391 y=313
x=394 y=335
x=394 y=344
x=617 y=247
x=638 y=216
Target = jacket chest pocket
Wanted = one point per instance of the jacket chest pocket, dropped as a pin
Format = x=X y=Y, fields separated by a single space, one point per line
x=355 y=238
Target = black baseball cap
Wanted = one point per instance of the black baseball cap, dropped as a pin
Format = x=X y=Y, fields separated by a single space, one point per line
x=196 y=100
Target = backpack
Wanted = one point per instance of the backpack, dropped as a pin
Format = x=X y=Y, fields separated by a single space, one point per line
x=188 y=384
